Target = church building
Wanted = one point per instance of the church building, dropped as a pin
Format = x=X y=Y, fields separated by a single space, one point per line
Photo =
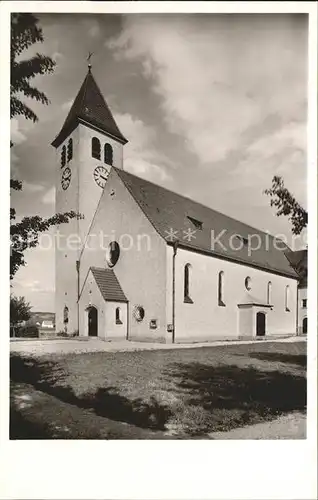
x=145 y=263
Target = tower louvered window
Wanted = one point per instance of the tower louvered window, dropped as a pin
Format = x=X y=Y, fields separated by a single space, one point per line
x=63 y=156
x=96 y=148
x=108 y=154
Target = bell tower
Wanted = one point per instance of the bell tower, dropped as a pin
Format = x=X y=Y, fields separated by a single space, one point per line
x=87 y=146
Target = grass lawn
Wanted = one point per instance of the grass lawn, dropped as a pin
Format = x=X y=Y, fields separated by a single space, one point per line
x=184 y=393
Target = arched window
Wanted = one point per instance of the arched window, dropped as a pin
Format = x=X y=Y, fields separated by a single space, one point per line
x=70 y=149
x=118 y=316
x=248 y=283
x=108 y=154
x=221 y=289
x=96 y=148
x=186 y=289
x=63 y=156
x=269 y=292
x=65 y=314
x=287 y=299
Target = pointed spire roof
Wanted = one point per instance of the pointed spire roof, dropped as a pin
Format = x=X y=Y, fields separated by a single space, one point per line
x=90 y=107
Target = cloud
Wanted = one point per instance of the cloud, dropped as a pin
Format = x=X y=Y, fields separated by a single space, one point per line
x=14 y=165
x=32 y=188
x=32 y=286
x=94 y=30
x=140 y=154
x=215 y=84
x=66 y=106
x=233 y=89
x=49 y=197
x=36 y=279
x=57 y=55
x=292 y=134
x=17 y=137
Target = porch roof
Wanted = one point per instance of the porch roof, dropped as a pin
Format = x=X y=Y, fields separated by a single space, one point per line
x=108 y=285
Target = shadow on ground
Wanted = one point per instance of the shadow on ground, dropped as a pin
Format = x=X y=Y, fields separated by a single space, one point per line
x=206 y=398
x=279 y=357
x=220 y=398
x=49 y=377
x=21 y=428
x=230 y=386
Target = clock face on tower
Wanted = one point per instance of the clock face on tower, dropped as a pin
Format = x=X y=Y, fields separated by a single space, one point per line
x=66 y=178
x=100 y=176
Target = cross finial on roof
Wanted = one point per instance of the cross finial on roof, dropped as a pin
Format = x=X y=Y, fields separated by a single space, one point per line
x=89 y=60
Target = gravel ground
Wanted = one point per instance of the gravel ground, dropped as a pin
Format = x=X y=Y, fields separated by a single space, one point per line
x=44 y=347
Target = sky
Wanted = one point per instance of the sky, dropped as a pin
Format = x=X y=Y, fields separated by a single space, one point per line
x=213 y=106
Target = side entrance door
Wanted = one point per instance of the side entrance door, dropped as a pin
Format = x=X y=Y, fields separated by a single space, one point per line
x=92 y=322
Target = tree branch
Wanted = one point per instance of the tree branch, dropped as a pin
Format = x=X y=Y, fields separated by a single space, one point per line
x=286 y=204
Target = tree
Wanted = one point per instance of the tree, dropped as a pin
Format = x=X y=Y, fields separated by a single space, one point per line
x=20 y=310
x=24 y=33
x=286 y=204
x=25 y=234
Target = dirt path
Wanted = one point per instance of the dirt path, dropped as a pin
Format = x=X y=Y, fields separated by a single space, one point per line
x=45 y=347
x=292 y=426
x=37 y=415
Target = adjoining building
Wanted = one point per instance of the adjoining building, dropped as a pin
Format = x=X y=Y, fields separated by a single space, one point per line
x=299 y=261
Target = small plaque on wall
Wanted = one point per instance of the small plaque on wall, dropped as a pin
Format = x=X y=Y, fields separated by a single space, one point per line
x=170 y=328
x=153 y=323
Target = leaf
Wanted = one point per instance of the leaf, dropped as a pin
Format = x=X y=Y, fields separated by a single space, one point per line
x=287 y=205
x=15 y=184
x=25 y=234
x=24 y=33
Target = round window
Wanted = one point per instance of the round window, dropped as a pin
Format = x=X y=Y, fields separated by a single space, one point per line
x=139 y=313
x=248 y=283
x=112 y=253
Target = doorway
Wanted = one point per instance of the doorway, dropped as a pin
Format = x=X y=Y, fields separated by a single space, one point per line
x=92 y=322
x=260 y=324
x=305 y=325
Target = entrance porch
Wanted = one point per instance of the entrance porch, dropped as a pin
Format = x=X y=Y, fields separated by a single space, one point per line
x=252 y=320
x=103 y=307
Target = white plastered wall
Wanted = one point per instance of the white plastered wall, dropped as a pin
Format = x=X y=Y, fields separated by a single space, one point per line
x=205 y=319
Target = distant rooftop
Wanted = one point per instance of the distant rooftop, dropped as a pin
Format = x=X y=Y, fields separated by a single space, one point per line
x=299 y=261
